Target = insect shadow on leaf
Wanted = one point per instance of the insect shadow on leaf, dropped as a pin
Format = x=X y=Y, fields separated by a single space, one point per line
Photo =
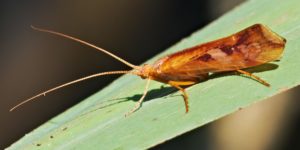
x=151 y=95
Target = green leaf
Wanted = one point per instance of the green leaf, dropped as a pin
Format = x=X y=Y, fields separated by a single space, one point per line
x=99 y=123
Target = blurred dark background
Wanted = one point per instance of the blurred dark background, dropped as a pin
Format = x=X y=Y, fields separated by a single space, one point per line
x=134 y=30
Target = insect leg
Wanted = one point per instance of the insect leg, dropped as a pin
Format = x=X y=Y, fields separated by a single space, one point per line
x=139 y=103
x=254 y=77
x=185 y=96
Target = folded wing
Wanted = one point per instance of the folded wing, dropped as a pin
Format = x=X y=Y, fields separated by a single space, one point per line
x=250 y=47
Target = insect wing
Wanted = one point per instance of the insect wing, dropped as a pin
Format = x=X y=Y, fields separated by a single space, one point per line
x=250 y=47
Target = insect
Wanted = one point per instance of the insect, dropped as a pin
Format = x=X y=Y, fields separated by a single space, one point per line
x=250 y=47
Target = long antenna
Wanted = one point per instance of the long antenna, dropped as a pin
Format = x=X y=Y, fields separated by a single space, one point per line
x=66 y=84
x=88 y=44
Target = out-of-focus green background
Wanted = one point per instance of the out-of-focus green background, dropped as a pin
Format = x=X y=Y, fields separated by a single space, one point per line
x=135 y=30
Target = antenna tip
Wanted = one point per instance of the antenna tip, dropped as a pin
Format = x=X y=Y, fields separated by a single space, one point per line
x=15 y=107
x=33 y=27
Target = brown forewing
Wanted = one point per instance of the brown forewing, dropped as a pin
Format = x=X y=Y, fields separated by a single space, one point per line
x=250 y=47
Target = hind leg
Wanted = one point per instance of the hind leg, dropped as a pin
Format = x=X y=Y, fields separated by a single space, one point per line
x=254 y=77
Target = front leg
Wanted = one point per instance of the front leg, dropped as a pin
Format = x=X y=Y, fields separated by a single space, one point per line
x=139 y=103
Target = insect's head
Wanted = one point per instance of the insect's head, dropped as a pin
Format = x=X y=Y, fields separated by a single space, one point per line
x=143 y=71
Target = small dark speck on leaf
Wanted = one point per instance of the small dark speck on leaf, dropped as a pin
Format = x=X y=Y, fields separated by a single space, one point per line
x=65 y=128
x=38 y=144
x=51 y=136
